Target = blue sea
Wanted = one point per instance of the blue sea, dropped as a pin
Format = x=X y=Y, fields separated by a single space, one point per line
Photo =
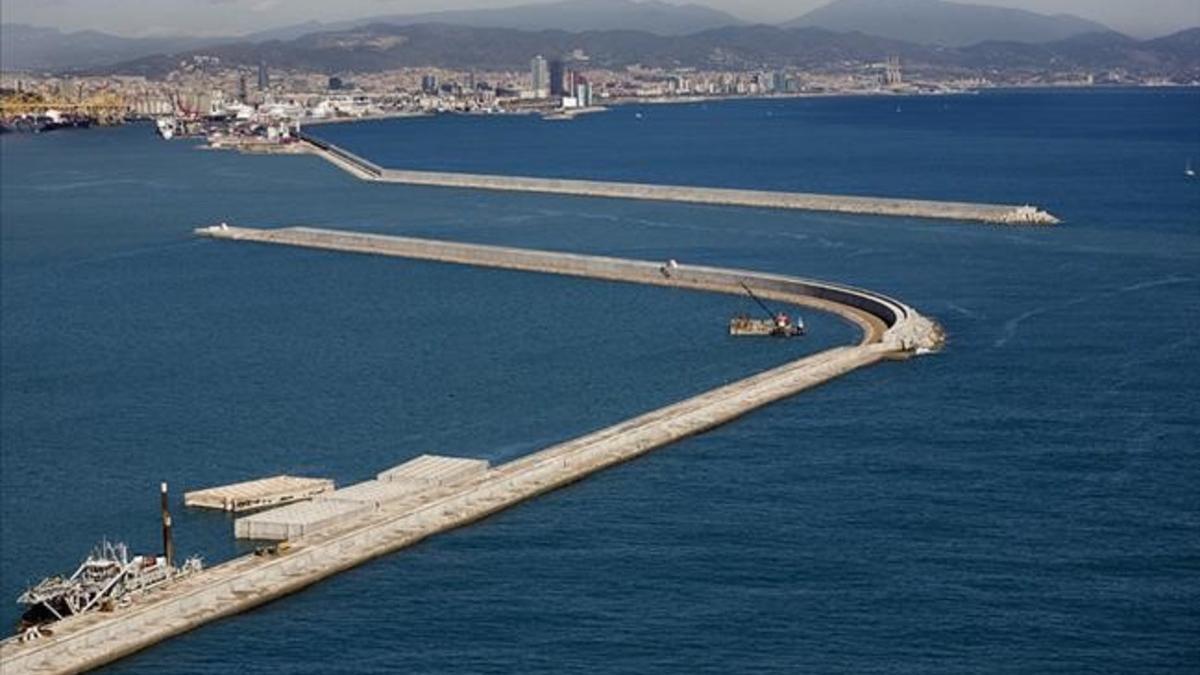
x=1027 y=500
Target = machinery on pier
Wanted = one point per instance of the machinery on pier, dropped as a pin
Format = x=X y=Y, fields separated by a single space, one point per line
x=777 y=324
x=107 y=578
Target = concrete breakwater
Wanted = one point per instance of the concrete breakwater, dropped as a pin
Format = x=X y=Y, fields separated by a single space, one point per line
x=891 y=329
x=879 y=206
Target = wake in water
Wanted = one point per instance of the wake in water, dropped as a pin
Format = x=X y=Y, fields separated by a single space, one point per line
x=1009 y=330
x=59 y=186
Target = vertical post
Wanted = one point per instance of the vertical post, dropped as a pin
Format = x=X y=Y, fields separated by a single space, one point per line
x=168 y=544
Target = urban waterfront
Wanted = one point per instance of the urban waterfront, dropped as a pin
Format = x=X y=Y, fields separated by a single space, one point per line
x=1024 y=500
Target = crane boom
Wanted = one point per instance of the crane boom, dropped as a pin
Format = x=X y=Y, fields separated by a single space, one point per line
x=768 y=310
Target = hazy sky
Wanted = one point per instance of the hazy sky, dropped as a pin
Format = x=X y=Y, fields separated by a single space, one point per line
x=152 y=17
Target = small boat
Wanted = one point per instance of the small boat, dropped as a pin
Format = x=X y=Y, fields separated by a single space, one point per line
x=1188 y=170
x=166 y=126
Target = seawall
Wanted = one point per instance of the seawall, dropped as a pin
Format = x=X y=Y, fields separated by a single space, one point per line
x=877 y=206
x=890 y=329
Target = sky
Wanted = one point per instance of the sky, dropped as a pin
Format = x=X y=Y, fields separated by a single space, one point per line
x=1141 y=18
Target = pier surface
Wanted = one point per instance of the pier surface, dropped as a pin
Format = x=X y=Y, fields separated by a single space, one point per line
x=878 y=206
x=890 y=329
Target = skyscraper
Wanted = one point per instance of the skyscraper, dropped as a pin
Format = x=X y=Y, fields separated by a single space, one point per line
x=558 y=78
x=264 y=78
x=779 y=82
x=893 y=75
x=540 y=76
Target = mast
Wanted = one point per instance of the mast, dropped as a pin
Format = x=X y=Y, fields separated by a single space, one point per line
x=168 y=544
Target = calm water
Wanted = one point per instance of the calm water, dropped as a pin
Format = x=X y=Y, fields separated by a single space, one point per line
x=1025 y=501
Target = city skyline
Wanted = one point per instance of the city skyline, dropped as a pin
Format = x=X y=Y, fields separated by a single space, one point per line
x=238 y=17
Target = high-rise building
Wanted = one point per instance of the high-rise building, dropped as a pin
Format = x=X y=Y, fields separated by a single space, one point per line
x=558 y=85
x=429 y=84
x=893 y=76
x=779 y=82
x=583 y=93
x=243 y=93
x=264 y=78
x=539 y=75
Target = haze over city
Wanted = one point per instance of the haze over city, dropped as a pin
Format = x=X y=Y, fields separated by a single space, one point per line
x=234 y=17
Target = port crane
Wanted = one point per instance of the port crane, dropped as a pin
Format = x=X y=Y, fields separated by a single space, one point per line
x=777 y=324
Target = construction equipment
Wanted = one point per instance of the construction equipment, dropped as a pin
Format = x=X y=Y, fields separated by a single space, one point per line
x=777 y=324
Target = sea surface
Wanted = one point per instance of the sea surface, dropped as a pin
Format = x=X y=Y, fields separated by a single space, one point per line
x=1026 y=501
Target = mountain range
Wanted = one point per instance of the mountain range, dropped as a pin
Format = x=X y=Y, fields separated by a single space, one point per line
x=937 y=22
x=651 y=16
x=616 y=32
x=380 y=47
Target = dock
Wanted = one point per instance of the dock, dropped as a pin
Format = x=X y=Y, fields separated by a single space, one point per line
x=1003 y=214
x=258 y=494
x=890 y=329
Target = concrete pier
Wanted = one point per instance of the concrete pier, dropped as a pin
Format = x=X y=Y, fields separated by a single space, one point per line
x=891 y=329
x=878 y=206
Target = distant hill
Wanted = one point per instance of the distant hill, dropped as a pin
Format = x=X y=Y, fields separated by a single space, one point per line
x=25 y=47
x=937 y=22
x=1177 y=54
x=651 y=16
x=384 y=46
x=1185 y=44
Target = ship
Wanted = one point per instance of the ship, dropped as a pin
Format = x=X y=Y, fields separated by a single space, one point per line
x=108 y=578
x=166 y=127
x=777 y=324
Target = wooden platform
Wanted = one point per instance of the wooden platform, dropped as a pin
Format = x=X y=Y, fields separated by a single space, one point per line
x=258 y=494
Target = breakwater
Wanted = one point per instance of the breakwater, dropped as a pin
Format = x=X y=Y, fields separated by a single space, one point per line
x=878 y=206
x=890 y=329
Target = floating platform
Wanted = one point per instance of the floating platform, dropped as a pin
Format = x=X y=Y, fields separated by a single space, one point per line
x=258 y=494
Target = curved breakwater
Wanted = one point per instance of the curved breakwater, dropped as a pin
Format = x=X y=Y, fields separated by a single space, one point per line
x=890 y=329
x=878 y=206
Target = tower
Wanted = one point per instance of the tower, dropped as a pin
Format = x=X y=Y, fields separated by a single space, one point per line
x=893 y=76
x=539 y=75
x=557 y=78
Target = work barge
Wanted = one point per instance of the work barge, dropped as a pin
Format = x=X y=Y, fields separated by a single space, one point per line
x=1003 y=214
x=890 y=330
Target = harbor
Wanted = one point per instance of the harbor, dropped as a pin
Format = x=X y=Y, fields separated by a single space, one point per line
x=999 y=214
x=433 y=494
